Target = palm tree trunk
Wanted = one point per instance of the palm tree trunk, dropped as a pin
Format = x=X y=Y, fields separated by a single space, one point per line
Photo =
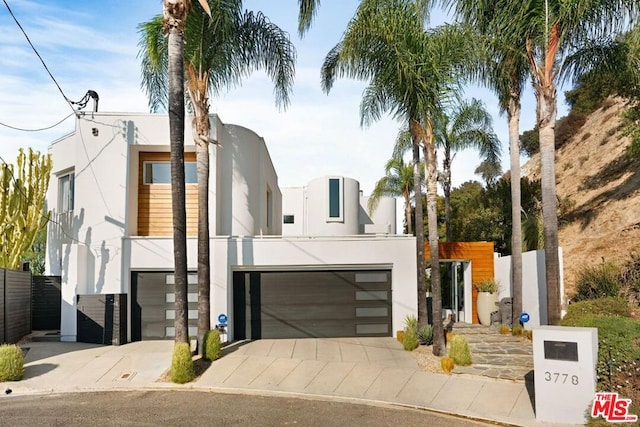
x=546 y=98
x=513 y=113
x=202 y=128
x=175 y=15
x=439 y=346
x=419 y=225
x=407 y=212
x=446 y=186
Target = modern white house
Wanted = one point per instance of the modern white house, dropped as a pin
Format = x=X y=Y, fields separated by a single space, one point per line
x=298 y=262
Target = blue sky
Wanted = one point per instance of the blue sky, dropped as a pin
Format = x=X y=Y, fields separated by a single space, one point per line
x=92 y=44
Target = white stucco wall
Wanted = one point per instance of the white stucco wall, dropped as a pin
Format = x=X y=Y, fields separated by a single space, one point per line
x=293 y=204
x=534 y=288
x=317 y=208
x=381 y=220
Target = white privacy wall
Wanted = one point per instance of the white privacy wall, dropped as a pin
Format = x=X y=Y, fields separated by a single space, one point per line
x=534 y=284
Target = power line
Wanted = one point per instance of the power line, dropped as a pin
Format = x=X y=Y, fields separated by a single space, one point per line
x=36 y=130
x=38 y=55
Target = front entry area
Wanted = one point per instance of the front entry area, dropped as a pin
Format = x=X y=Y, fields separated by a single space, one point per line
x=311 y=304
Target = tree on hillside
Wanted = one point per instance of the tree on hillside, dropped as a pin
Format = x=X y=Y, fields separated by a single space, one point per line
x=218 y=52
x=23 y=188
x=411 y=74
x=489 y=171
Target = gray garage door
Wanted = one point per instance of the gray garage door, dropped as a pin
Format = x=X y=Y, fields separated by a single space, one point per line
x=152 y=305
x=294 y=304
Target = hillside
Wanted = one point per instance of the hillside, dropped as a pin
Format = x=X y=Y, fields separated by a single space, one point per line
x=600 y=185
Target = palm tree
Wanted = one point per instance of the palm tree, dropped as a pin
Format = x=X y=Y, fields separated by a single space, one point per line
x=468 y=126
x=218 y=52
x=397 y=182
x=410 y=73
x=308 y=9
x=554 y=30
x=504 y=69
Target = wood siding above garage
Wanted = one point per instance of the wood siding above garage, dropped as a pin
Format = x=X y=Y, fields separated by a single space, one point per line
x=155 y=217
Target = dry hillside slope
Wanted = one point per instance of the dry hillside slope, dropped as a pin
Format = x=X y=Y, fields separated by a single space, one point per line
x=600 y=185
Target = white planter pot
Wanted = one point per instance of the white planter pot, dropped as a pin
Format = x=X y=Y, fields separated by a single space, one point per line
x=486 y=304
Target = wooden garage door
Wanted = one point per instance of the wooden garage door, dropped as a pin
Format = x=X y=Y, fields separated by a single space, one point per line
x=152 y=305
x=295 y=304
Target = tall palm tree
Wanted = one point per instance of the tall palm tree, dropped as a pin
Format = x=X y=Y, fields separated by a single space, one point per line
x=218 y=52
x=307 y=11
x=468 y=125
x=411 y=74
x=397 y=182
x=554 y=30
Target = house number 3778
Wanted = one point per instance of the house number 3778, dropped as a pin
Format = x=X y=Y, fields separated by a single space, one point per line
x=560 y=378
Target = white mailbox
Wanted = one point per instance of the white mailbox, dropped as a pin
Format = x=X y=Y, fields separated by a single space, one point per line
x=564 y=363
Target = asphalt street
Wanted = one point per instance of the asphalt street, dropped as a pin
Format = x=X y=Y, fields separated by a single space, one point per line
x=197 y=408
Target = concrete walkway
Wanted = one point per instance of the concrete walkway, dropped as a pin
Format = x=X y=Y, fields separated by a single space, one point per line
x=373 y=371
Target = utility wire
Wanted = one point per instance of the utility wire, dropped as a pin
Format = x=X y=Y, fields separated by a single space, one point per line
x=36 y=130
x=38 y=55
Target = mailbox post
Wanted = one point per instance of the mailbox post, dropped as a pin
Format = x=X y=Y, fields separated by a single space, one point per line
x=564 y=363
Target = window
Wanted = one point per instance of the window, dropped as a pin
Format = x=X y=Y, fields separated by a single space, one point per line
x=335 y=199
x=160 y=173
x=288 y=219
x=269 y=207
x=66 y=185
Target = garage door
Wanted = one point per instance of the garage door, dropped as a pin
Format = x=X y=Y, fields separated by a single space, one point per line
x=295 y=304
x=152 y=305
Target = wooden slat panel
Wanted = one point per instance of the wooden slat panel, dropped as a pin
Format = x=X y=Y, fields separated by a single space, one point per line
x=155 y=216
x=46 y=302
x=482 y=263
x=17 y=294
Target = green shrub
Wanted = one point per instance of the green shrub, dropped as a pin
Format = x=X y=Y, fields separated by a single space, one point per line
x=410 y=339
x=212 y=345
x=425 y=335
x=618 y=344
x=517 y=331
x=487 y=285
x=609 y=306
x=182 y=369
x=411 y=322
x=459 y=351
x=11 y=363
x=597 y=281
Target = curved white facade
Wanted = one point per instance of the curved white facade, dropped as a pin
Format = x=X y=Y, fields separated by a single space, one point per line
x=332 y=206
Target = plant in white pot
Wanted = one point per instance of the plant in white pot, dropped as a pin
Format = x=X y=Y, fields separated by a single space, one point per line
x=487 y=298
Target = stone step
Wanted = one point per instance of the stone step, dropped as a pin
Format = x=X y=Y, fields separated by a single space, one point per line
x=516 y=360
x=513 y=373
x=493 y=338
x=493 y=348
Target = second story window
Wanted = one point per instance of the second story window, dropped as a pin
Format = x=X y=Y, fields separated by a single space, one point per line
x=66 y=184
x=160 y=173
x=335 y=199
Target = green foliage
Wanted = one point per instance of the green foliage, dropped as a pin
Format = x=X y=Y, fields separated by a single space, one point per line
x=631 y=121
x=487 y=285
x=597 y=281
x=22 y=205
x=618 y=344
x=212 y=345
x=410 y=339
x=11 y=363
x=530 y=142
x=182 y=368
x=425 y=335
x=35 y=255
x=607 y=306
x=459 y=350
x=590 y=91
x=518 y=331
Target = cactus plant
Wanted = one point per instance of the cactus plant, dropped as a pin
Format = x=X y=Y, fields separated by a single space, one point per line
x=22 y=205
x=459 y=351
